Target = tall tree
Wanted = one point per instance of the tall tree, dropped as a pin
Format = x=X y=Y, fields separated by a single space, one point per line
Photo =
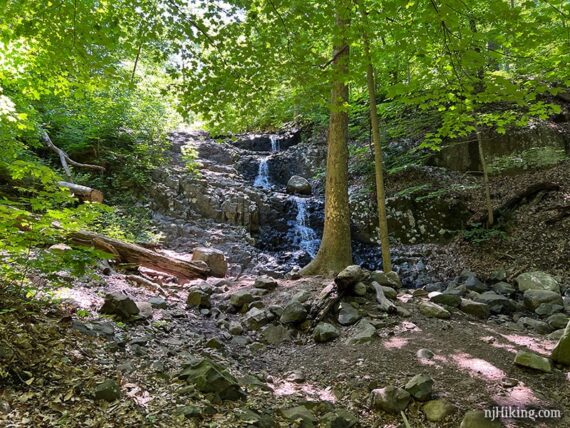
x=378 y=159
x=335 y=252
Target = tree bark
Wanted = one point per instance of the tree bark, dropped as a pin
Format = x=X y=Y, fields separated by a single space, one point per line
x=84 y=193
x=132 y=253
x=378 y=159
x=488 y=203
x=65 y=159
x=335 y=252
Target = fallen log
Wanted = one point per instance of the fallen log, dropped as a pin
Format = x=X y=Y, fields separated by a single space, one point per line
x=325 y=302
x=384 y=304
x=84 y=193
x=132 y=253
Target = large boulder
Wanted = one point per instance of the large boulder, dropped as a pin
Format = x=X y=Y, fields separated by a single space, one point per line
x=107 y=390
x=349 y=277
x=364 y=332
x=275 y=334
x=479 y=310
x=561 y=353
x=209 y=377
x=433 y=310
x=533 y=298
x=537 y=281
x=437 y=410
x=325 y=332
x=348 y=314
x=390 y=399
x=299 y=185
x=240 y=298
x=294 y=312
x=498 y=304
x=420 y=387
x=215 y=260
x=387 y=279
x=477 y=419
x=120 y=305
x=533 y=361
x=265 y=282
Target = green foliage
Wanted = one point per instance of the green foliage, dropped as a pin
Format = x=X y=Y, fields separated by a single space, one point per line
x=533 y=158
x=130 y=224
x=480 y=235
x=190 y=156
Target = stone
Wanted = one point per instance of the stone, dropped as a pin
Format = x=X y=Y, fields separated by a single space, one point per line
x=477 y=419
x=215 y=260
x=478 y=310
x=120 y=305
x=360 y=289
x=60 y=248
x=420 y=387
x=275 y=334
x=209 y=377
x=339 y=419
x=533 y=298
x=251 y=418
x=265 y=283
x=256 y=318
x=300 y=413
x=189 y=412
x=325 y=332
x=537 y=281
x=497 y=303
x=438 y=410
x=498 y=275
x=145 y=309
x=347 y=314
x=349 y=276
x=533 y=361
x=364 y=332
x=107 y=390
x=390 y=399
x=473 y=283
x=386 y=279
x=432 y=310
x=561 y=353
x=235 y=328
x=548 y=309
x=215 y=343
x=535 y=325
x=425 y=354
x=444 y=299
x=302 y=296
x=294 y=312
x=240 y=298
x=558 y=321
x=503 y=288
x=198 y=298
x=556 y=335
x=299 y=185
x=389 y=292
x=158 y=303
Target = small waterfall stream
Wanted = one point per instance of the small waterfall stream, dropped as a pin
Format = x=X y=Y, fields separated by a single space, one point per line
x=300 y=233
x=303 y=235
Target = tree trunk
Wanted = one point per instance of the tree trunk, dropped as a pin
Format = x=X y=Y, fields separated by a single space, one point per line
x=335 y=252
x=84 y=193
x=378 y=159
x=488 y=203
x=132 y=253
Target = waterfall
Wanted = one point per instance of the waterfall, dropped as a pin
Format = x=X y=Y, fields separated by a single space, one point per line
x=303 y=235
x=262 y=179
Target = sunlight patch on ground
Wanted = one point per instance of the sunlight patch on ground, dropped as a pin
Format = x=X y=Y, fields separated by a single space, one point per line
x=519 y=396
x=137 y=394
x=539 y=346
x=477 y=367
x=79 y=297
x=284 y=388
x=395 y=343
x=491 y=340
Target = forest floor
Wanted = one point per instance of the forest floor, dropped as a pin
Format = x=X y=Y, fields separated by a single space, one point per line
x=51 y=368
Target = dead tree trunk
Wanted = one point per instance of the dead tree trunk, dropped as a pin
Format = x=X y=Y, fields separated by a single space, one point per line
x=65 y=159
x=84 y=193
x=132 y=253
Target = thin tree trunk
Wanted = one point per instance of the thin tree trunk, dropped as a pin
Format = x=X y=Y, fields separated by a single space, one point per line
x=378 y=159
x=488 y=203
x=335 y=252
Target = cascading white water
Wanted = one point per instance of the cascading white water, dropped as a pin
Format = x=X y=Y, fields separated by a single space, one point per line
x=303 y=235
x=262 y=179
